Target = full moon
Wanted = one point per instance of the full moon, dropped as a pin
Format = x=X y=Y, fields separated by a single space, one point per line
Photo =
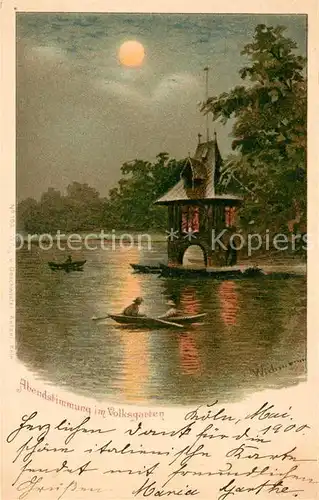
x=131 y=53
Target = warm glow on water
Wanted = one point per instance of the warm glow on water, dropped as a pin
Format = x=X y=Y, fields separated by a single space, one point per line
x=189 y=355
x=189 y=303
x=135 y=370
x=249 y=324
x=228 y=302
x=127 y=286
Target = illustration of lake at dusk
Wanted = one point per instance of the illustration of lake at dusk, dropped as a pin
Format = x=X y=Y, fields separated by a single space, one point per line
x=254 y=335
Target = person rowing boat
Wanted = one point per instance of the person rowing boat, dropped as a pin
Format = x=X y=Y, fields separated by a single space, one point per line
x=134 y=308
x=172 y=312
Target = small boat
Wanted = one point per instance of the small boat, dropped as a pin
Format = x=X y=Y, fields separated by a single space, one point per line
x=186 y=320
x=140 y=268
x=76 y=265
x=217 y=273
x=146 y=322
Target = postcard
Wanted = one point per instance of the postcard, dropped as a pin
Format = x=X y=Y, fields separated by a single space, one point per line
x=159 y=280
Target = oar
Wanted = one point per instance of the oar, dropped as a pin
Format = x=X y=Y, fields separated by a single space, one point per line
x=178 y=325
x=98 y=318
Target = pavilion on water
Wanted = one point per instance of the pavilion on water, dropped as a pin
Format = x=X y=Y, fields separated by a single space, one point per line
x=197 y=211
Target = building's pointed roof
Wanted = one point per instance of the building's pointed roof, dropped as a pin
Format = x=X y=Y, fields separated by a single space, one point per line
x=199 y=177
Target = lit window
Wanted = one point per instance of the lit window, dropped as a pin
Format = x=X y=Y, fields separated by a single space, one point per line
x=230 y=216
x=190 y=219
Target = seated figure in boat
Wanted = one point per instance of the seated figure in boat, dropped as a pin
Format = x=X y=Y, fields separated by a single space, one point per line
x=171 y=312
x=134 y=308
x=68 y=260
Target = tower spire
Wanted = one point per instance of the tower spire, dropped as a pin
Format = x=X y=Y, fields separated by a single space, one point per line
x=206 y=69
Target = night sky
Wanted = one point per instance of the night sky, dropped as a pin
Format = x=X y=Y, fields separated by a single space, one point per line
x=81 y=114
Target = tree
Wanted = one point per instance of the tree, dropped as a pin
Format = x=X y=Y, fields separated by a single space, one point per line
x=83 y=207
x=51 y=209
x=270 y=120
x=131 y=203
x=27 y=215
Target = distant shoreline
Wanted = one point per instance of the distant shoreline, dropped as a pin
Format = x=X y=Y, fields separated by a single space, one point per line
x=156 y=237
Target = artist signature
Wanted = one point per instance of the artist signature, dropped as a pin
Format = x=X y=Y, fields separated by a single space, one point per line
x=262 y=371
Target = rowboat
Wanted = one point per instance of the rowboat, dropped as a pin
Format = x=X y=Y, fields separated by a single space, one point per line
x=140 y=268
x=76 y=265
x=146 y=322
x=217 y=273
x=186 y=320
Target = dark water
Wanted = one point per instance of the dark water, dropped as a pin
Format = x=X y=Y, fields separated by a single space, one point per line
x=251 y=325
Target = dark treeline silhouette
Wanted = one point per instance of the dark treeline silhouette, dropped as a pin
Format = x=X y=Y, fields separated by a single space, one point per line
x=128 y=206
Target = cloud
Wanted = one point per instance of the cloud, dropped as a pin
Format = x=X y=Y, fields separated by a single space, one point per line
x=123 y=91
x=50 y=53
x=169 y=88
x=172 y=85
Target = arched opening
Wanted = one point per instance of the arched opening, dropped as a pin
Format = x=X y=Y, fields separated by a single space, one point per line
x=194 y=256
